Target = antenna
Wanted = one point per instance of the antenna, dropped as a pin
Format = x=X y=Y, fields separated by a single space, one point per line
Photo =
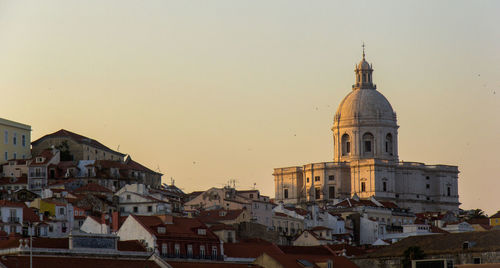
x=118 y=149
x=254 y=184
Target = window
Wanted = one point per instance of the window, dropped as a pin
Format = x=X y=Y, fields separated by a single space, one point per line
x=164 y=249
x=476 y=260
x=363 y=186
x=61 y=211
x=317 y=178
x=14 y=156
x=136 y=209
x=214 y=251
x=150 y=208
x=427 y=177
x=6 y=156
x=177 y=249
x=23 y=140
x=202 y=252
x=427 y=186
x=331 y=192
x=449 y=191
x=128 y=197
x=318 y=192
x=368 y=141
x=285 y=193
x=189 y=249
x=388 y=144
x=6 y=137
x=331 y=177
x=346 y=144
x=14 y=139
x=307 y=179
x=384 y=186
x=251 y=195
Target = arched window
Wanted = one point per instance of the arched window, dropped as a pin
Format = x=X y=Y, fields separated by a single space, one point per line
x=346 y=144
x=388 y=143
x=364 y=78
x=368 y=143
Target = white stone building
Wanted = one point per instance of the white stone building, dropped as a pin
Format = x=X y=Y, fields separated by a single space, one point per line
x=366 y=162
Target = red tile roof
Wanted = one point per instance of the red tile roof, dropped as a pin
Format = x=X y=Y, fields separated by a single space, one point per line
x=220 y=227
x=20 y=180
x=179 y=228
x=219 y=215
x=251 y=249
x=77 y=138
x=190 y=264
x=5 y=203
x=136 y=166
x=93 y=187
x=73 y=262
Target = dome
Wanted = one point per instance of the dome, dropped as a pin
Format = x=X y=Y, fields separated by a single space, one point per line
x=365 y=104
x=363 y=65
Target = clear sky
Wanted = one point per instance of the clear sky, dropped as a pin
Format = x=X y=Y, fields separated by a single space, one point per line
x=215 y=90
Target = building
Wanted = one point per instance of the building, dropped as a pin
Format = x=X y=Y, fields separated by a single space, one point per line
x=459 y=248
x=366 y=161
x=16 y=140
x=173 y=237
x=76 y=147
x=136 y=199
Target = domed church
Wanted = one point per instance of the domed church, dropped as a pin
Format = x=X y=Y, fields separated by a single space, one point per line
x=365 y=160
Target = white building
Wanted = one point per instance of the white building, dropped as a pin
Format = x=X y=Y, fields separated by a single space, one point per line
x=366 y=161
x=136 y=199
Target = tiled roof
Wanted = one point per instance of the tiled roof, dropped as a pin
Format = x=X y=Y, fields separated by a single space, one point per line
x=220 y=227
x=320 y=228
x=179 y=228
x=136 y=166
x=73 y=262
x=191 y=264
x=496 y=215
x=93 y=187
x=131 y=245
x=13 y=181
x=77 y=138
x=219 y=215
x=5 y=203
x=46 y=154
x=251 y=249
x=350 y=250
x=450 y=243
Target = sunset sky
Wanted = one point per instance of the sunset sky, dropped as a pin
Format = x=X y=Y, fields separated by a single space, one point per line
x=210 y=91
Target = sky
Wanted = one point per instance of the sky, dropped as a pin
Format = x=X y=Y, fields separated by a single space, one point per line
x=210 y=91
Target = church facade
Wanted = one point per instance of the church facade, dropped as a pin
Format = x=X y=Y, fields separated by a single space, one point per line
x=366 y=162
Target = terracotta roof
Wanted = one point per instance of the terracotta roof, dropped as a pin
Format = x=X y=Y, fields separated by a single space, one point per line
x=251 y=249
x=46 y=154
x=20 y=180
x=320 y=228
x=131 y=245
x=77 y=138
x=73 y=262
x=93 y=187
x=5 y=203
x=192 y=264
x=179 y=228
x=219 y=215
x=136 y=166
x=220 y=227
x=444 y=243
x=350 y=250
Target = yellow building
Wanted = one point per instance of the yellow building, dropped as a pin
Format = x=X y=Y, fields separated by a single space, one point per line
x=15 y=140
x=495 y=219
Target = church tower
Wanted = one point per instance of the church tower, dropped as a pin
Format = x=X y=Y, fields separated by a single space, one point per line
x=365 y=124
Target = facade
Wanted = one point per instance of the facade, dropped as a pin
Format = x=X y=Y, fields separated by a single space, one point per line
x=136 y=199
x=16 y=140
x=78 y=147
x=366 y=161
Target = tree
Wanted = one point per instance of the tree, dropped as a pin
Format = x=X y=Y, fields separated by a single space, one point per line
x=65 y=152
x=412 y=253
x=478 y=214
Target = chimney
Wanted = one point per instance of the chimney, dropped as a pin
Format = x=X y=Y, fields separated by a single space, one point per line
x=166 y=219
x=114 y=221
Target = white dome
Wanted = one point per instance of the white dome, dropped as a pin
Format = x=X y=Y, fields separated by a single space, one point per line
x=365 y=104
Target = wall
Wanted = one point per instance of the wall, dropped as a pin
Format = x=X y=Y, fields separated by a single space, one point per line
x=13 y=128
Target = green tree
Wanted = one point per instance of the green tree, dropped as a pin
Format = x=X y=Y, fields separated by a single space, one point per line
x=412 y=253
x=65 y=152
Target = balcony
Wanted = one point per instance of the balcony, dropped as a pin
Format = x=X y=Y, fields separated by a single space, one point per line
x=13 y=219
x=38 y=174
